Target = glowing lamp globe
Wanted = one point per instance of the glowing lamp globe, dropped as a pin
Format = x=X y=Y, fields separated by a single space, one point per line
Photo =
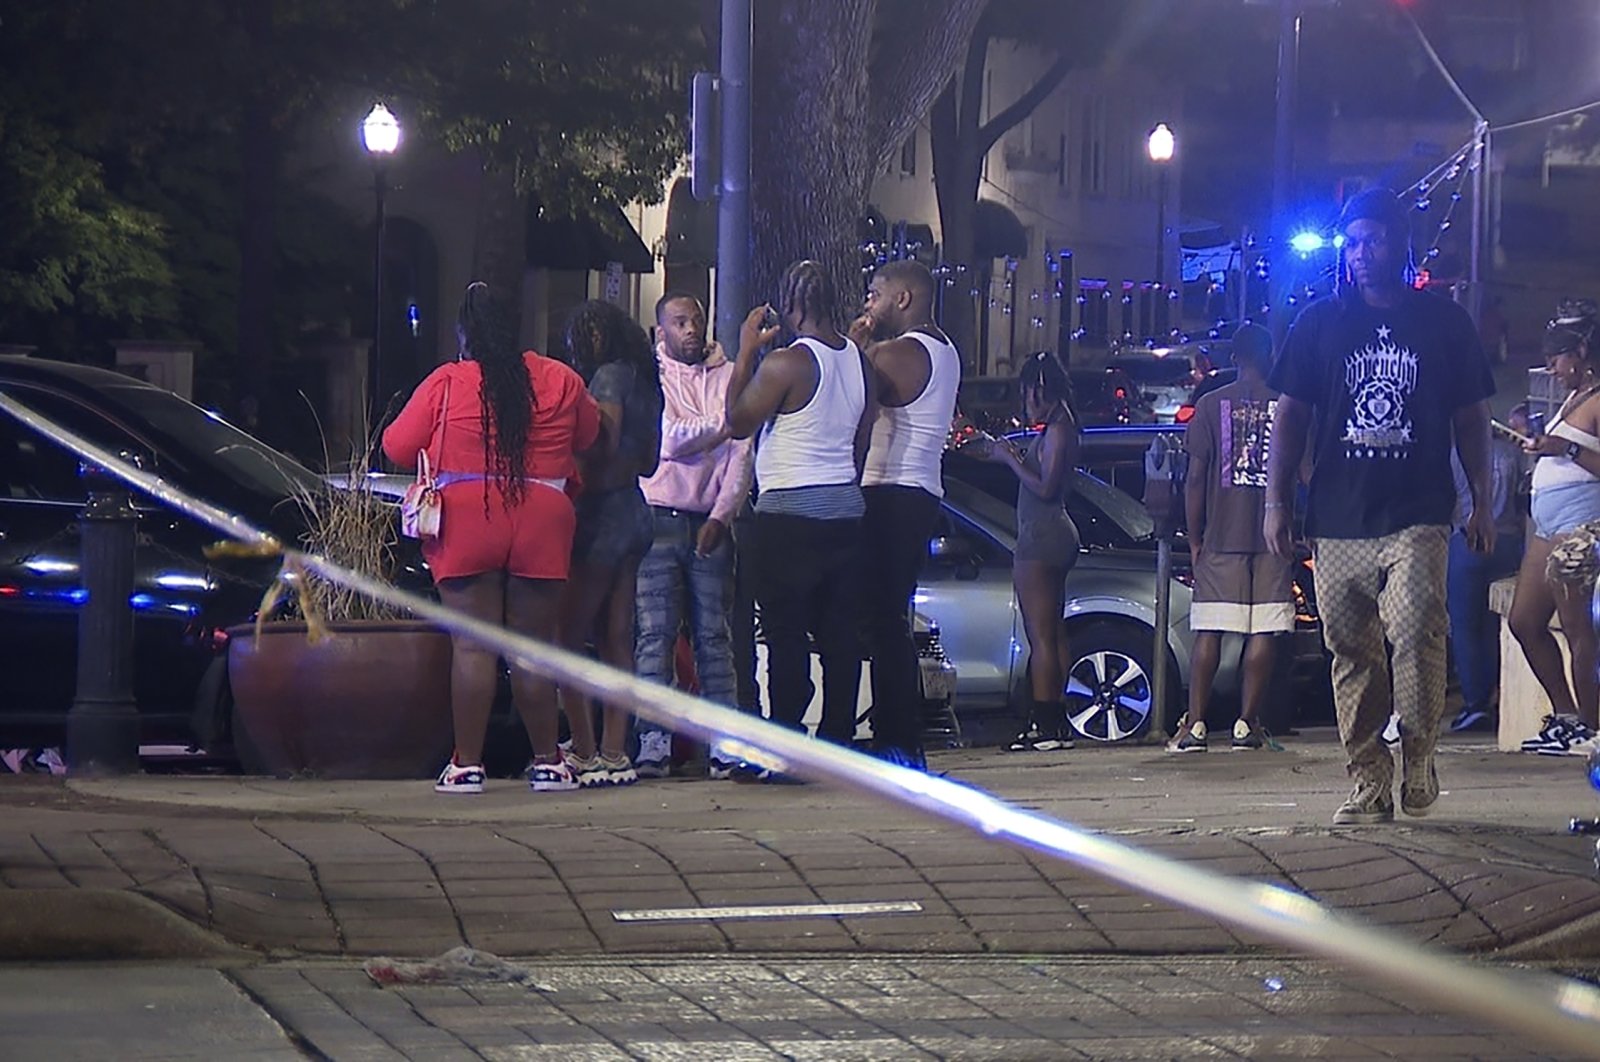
x=380 y=131
x=1161 y=143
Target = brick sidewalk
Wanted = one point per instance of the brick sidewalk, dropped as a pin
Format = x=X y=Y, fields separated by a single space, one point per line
x=840 y=1009
x=308 y=868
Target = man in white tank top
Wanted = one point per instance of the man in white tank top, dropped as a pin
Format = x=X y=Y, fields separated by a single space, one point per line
x=917 y=370
x=812 y=404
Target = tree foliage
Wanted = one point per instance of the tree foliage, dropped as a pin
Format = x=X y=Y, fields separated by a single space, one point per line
x=70 y=244
x=123 y=127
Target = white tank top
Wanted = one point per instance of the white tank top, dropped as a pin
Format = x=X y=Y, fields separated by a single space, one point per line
x=815 y=445
x=908 y=441
x=1558 y=470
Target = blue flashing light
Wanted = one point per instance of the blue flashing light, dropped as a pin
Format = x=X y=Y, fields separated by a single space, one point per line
x=1307 y=242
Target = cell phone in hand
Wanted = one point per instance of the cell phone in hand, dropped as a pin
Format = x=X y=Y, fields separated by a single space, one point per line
x=1511 y=433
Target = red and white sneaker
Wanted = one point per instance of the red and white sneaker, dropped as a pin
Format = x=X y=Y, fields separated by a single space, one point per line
x=458 y=779
x=557 y=777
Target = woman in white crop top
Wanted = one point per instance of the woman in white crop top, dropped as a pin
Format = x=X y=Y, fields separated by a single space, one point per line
x=1566 y=494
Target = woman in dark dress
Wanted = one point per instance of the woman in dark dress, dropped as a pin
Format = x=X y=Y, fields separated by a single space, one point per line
x=615 y=527
x=1047 y=542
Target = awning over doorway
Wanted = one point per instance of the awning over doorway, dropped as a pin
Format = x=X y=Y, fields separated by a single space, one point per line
x=585 y=243
x=998 y=232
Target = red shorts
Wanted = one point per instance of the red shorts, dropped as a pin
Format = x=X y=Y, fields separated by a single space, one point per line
x=531 y=539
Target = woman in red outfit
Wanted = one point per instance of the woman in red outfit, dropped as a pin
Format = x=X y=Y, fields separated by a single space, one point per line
x=503 y=430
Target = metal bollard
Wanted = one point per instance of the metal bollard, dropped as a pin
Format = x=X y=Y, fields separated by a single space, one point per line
x=1165 y=464
x=103 y=722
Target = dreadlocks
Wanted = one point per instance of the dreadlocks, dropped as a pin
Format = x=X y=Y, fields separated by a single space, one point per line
x=807 y=290
x=506 y=393
x=599 y=332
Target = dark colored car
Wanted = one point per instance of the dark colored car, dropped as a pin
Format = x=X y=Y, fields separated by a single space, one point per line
x=1107 y=396
x=1214 y=380
x=989 y=403
x=182 y=602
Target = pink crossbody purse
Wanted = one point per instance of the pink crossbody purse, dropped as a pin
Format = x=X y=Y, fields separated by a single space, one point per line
x=421 y=507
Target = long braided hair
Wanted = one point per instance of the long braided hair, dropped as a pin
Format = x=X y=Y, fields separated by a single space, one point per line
x=807 y=289
x=506 y=393
x=599 y=332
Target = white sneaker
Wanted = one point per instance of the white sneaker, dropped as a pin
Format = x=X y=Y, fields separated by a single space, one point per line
x=460 y=779
x=1578 y=747
x=1191 y=738
x=655 y=754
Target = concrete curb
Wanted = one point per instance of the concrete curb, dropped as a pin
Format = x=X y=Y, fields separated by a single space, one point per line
x=47 y=925
x=1576 y=941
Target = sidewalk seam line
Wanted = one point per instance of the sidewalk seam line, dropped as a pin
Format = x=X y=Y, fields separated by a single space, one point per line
x=316 y=881
x=461 y=929
x=806 y=882
x=566 y=887
x=682 y=880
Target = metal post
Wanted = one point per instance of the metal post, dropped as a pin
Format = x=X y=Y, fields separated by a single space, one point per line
x=1158 y=316
x=1480 y=159
x=103 y=722
x=1158 y=663
x=1282 y=165
x=1067 y=296
x=378 y=398
x=1163 y=498
x=733 y=205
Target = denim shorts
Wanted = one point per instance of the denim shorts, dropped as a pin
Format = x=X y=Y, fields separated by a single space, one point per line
x=613 y=526
x=1561 y=508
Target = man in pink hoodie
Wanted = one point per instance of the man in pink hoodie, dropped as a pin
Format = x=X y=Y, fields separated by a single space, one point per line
x=703 y=478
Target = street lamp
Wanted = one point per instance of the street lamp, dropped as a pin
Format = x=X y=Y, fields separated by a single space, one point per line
x=1160 y=459
x=1160 y=145
x=380 y=135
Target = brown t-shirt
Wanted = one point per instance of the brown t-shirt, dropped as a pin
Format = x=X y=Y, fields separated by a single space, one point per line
x=1227 y=440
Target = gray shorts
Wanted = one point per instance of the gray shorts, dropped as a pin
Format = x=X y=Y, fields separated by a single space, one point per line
x=1242 y=593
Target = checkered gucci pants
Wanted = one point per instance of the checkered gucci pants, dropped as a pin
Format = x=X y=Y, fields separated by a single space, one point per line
x=1373 y=591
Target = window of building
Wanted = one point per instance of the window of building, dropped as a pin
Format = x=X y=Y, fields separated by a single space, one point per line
x=908 y=156
x=1092 y=146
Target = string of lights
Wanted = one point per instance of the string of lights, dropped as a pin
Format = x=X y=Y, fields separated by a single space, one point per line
x=1447 y=179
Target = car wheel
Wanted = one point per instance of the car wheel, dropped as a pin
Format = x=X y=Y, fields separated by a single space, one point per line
x=1109 y=690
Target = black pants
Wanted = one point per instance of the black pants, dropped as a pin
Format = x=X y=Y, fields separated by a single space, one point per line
x=807 y=581
x=895 y=534
x=742 y=619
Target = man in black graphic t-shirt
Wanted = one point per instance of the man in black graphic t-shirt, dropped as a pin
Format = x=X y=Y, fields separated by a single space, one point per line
x=1392 y=377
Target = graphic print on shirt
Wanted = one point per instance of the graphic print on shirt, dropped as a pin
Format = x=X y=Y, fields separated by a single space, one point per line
x=1381 y=378
x=1246 y=438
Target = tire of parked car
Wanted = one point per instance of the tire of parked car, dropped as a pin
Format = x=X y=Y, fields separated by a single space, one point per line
x=1110 y=678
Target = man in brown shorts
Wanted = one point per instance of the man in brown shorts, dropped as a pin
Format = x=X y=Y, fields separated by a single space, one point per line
x=1239 y=587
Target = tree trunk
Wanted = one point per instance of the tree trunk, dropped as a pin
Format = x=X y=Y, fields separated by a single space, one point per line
x=827 y=112
x=258 y=205
x=500 y=244
x=810 y=160
x=956 y=173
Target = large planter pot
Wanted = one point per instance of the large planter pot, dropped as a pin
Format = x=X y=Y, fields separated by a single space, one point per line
x=372 y=700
